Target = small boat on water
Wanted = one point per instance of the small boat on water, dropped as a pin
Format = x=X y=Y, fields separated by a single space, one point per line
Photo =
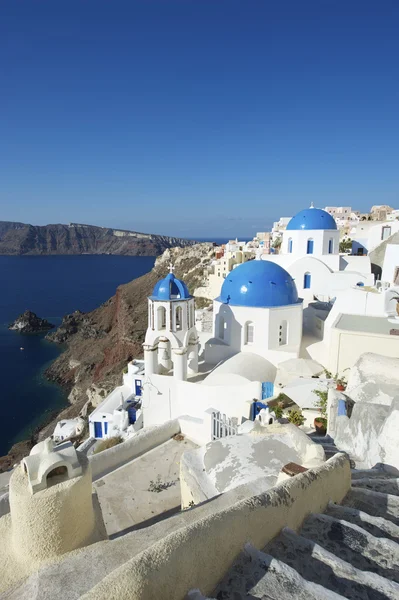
x=22 y=348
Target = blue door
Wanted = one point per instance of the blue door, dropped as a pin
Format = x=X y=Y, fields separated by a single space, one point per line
x=306 y=281
x=98 y=429
x=267 y=389
x=138 y=387
x=256 y=408
x=310 y=246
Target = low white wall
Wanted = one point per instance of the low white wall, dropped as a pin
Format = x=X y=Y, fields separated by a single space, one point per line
x=195 y=429
x=167 y=399
x=141 y=442
x=346 y=347
x=197 y=556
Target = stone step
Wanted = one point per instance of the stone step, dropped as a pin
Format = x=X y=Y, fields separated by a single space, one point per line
x=321 y=439
x=375 y=504
x=315 y=563
x=353 y=544
x=257 y=575
x=385 y=486
x=371 y=473
x=377 y=526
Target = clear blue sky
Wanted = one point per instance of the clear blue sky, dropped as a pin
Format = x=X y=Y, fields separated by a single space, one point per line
x=196 y=117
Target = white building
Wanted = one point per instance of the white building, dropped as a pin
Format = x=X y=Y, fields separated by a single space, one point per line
x=120 y=413
x=257 y=323
x=258 y=311
x=310 y=253
x=339 y=212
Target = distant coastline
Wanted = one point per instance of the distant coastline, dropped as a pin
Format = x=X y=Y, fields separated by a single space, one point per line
x=21 y=239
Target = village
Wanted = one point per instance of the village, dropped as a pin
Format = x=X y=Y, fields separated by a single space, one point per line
x=250 y=447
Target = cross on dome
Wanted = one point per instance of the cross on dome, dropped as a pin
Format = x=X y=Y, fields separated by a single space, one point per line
x=311 y=205
x=171 y=268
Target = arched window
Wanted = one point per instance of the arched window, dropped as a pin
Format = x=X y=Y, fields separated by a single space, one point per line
x=179 y=318
x=330 y=246
x=290 y=246
x=283 y=333
x=222 y=325
x=307 y=278
x=249 y=333
x=309 y=249
x=57 y=475
x=161 y=317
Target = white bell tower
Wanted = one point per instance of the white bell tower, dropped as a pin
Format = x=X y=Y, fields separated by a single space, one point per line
x=171 y=341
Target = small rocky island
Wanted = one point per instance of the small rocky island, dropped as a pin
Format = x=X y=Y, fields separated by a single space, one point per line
x=29 y=322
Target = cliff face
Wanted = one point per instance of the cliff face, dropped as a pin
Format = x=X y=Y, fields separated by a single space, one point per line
x=19 y=239
x=100 y=343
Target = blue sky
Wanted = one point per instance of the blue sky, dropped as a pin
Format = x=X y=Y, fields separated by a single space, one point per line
x=196 y=117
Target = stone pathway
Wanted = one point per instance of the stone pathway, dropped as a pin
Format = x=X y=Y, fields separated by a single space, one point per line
x=350 y=551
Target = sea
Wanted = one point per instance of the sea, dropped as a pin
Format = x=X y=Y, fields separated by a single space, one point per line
x=50 y=286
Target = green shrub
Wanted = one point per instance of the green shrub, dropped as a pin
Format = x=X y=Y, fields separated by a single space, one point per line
x=278 y=411
x=296 y=417
x=109 y=443
x=322 y=402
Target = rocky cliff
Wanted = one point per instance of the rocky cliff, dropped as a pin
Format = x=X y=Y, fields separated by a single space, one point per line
x=19 y=239
x=99 y=343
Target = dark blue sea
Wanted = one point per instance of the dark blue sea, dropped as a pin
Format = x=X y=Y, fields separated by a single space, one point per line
x=50 y=286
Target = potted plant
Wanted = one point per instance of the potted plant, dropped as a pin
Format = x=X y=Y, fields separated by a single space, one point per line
x=296 y=417
x=341 y=384
x=320 y=423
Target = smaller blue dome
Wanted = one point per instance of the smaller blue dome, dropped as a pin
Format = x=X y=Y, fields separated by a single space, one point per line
x=312 y=218
x=170 y=288
x=259 y=283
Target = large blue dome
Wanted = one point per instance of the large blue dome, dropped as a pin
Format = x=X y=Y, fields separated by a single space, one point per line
x=259 y=283
x=170 y=288
x=312 y=218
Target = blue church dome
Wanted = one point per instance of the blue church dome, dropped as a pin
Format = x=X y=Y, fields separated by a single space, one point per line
x=312 y=218
x=259 y=283
x=170 y=288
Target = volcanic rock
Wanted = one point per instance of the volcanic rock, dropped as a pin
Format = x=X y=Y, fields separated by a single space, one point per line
x=29 y=322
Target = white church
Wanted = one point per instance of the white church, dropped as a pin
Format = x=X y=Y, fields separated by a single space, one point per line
x=310 y=253
x=265 y=314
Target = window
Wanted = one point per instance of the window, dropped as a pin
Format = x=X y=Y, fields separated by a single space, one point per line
x=330 y=246
x=385 y=232
x=290 y=246
x=249 y=333
x=283 y=333
x=306 y=281
x=161 y=317
x=309 y=249
x=222 y=325
x=179 y=318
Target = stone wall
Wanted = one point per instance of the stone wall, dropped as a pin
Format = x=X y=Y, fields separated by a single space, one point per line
x=197 y=556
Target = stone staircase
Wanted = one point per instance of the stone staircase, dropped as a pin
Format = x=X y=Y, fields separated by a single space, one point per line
x=350 y=551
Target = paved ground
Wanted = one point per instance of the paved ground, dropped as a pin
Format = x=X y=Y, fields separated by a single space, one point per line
x=125 y=497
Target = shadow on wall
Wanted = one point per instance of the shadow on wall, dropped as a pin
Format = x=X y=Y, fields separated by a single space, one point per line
x=227 y=328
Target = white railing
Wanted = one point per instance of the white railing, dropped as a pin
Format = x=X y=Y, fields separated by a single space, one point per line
x=223 y=426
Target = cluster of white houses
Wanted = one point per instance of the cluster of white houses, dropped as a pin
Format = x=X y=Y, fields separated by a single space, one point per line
x=309 y=301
